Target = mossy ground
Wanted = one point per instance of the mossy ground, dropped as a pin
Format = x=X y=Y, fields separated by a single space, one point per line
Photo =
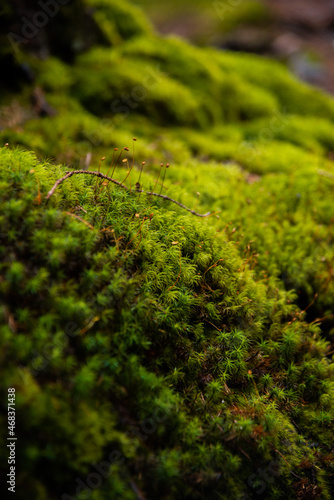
x=198 y=350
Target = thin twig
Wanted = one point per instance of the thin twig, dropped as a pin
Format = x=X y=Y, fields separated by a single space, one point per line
x=99 y=174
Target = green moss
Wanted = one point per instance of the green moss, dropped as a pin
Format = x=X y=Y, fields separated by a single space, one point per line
x=232 y=16
x=54 y=76
x=214 y=89
x=294 y=96
x=106 y=86
x=199 y=350
x=119 y=20
x=123 y=327
x=298 y=130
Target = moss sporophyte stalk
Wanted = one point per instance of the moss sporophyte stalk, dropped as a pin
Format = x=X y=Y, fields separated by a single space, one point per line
x=166 y=306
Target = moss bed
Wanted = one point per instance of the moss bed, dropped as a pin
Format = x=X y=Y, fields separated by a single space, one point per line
x=154 y=353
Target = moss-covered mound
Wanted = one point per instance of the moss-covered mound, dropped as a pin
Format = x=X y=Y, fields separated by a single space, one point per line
x=156 y=354
x=135 y=338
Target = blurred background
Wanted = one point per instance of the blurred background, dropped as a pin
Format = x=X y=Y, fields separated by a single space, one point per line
x=66 y=78
x=297 y=32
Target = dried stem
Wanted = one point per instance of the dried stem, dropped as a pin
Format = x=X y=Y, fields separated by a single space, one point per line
x=101 y=159
x=157 y=179
x=102 y=176
x=163 y=179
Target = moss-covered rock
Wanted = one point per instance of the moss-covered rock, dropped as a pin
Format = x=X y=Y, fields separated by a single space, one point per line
x=128 y=330
x=191 y=355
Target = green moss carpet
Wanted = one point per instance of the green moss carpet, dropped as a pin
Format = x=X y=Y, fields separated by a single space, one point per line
x=157 y=354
